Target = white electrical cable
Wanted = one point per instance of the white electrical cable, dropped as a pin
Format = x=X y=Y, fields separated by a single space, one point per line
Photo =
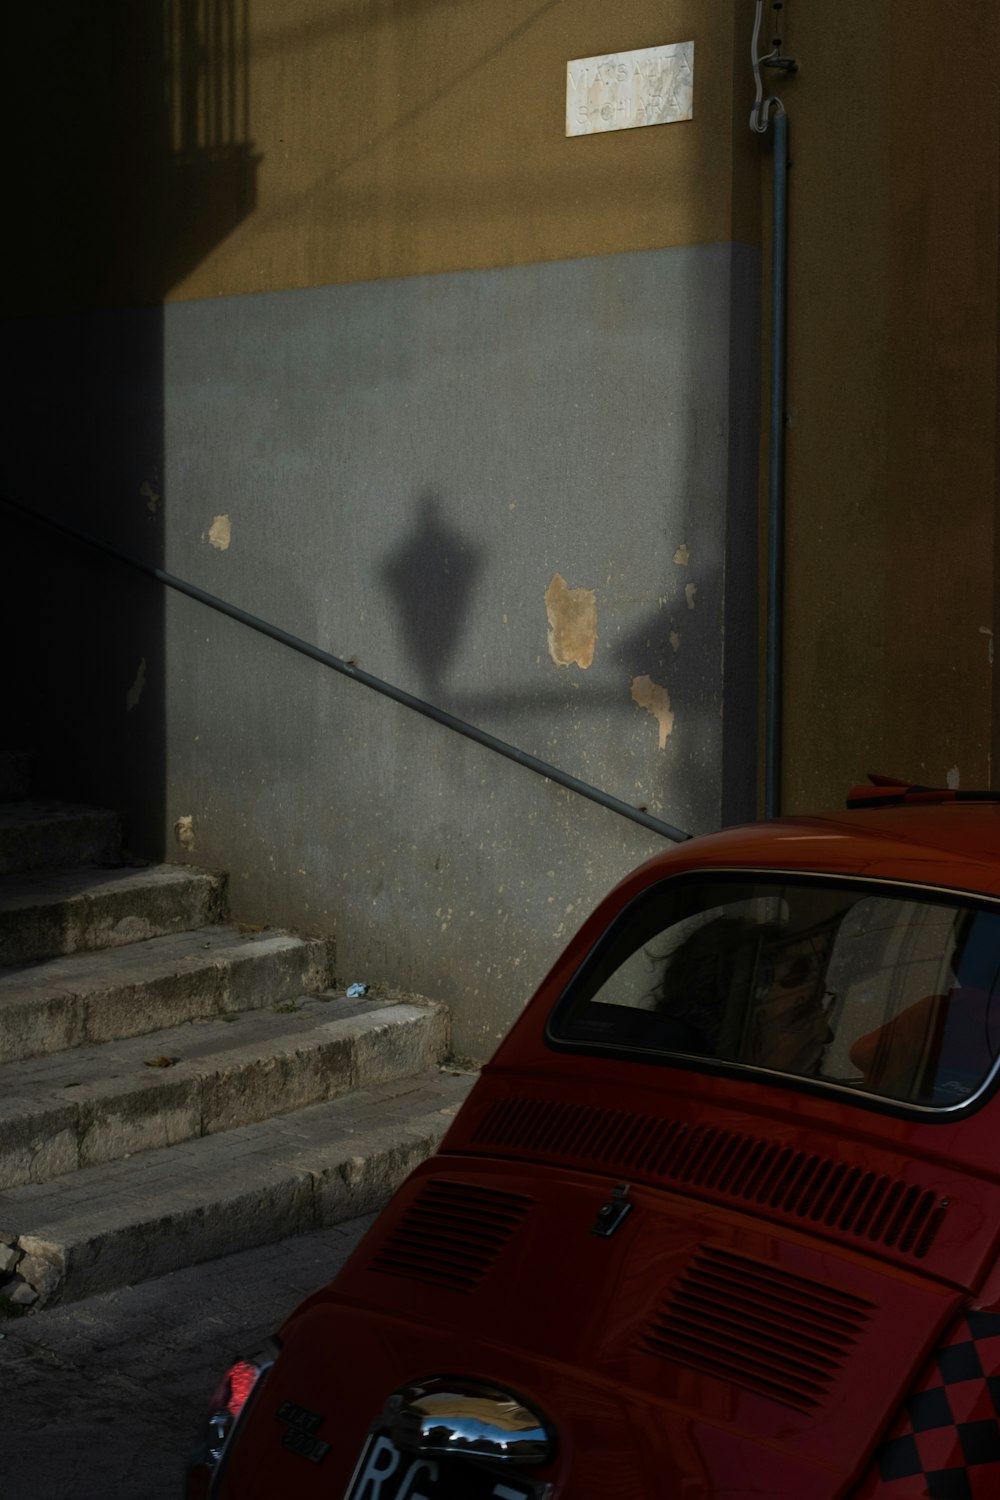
x=760 y=115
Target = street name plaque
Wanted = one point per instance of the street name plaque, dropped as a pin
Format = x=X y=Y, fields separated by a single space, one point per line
x=622 y=90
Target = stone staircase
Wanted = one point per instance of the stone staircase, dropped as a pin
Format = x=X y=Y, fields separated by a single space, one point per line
x=174 y=1087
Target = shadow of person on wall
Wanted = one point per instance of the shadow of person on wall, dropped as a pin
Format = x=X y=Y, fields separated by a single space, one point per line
x=430 y=577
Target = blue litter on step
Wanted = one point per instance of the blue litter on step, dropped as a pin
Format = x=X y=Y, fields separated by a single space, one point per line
x=355 y=991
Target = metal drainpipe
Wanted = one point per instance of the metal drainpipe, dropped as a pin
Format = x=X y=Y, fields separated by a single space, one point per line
x=776 y=477
x=766 y=111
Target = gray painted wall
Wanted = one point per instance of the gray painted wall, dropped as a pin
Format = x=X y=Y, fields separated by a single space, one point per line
x=403 y=467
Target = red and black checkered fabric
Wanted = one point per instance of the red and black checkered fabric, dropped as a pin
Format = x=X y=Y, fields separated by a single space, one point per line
x=945 y=1442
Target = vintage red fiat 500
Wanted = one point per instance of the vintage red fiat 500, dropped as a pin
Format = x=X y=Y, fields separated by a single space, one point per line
x=720 y=1219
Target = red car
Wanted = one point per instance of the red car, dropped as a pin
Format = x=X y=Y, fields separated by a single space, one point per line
x=720 y=1219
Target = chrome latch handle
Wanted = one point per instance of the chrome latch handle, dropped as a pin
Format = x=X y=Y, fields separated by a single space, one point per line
x=611 y=1214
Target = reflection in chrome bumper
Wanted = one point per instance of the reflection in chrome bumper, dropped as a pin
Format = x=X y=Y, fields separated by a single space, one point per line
x=453 y=1415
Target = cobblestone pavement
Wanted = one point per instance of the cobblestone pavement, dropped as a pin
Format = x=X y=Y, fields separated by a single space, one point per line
x=100 y=1400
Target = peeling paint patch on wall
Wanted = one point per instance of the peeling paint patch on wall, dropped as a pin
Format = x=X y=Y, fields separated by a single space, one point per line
x=682 y=556
x=150 y=496
x=675 y=640
x=572 y=615
x=135 y=691
x=184 y=831
x=954 y=779
x=656 y=700
x=986 y=631
x=690 y=589
x=220 y=533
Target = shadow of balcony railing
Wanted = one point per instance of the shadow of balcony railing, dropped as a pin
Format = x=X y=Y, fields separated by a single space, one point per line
x=209 y=185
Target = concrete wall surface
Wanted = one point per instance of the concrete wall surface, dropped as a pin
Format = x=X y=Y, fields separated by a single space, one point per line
x=524 y=495
x=314 y=303
x=514 y=494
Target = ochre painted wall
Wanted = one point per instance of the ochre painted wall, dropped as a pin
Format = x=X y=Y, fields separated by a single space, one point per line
x=332 y=141
x=376 y=139
x=400 y=138
x=892 y=463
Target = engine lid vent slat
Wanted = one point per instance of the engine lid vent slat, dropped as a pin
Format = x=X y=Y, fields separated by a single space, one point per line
x=452 y=1234
x=757 y=1326
x=800 y=1186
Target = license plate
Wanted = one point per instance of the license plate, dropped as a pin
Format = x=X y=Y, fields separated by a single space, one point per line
x=386 y=1473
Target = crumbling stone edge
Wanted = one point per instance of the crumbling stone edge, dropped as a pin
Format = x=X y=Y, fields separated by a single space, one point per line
x=31 y=1272
x=34 y=1272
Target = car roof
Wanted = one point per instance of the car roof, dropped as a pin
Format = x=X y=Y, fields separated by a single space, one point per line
x=955 y=845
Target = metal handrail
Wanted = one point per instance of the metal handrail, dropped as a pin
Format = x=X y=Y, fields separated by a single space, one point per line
x=358 y=674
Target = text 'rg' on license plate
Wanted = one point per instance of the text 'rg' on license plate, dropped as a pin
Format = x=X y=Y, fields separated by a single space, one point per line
x=385 y=1473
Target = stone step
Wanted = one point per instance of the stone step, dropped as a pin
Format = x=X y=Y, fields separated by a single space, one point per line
x=55 y=912
x=45 y=835
x=116 y=1224
x=15 y=775
x=85 y=998
x=97 y=1104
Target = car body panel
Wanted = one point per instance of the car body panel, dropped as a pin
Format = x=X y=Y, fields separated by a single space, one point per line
x=596 y=1329
x=789 y=1273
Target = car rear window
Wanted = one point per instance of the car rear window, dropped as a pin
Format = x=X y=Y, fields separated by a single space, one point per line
x=882 y=990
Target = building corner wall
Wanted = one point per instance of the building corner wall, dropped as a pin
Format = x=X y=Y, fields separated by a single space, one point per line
x=409 y=373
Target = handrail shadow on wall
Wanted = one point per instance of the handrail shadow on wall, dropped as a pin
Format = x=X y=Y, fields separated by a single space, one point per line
x=358 y=674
